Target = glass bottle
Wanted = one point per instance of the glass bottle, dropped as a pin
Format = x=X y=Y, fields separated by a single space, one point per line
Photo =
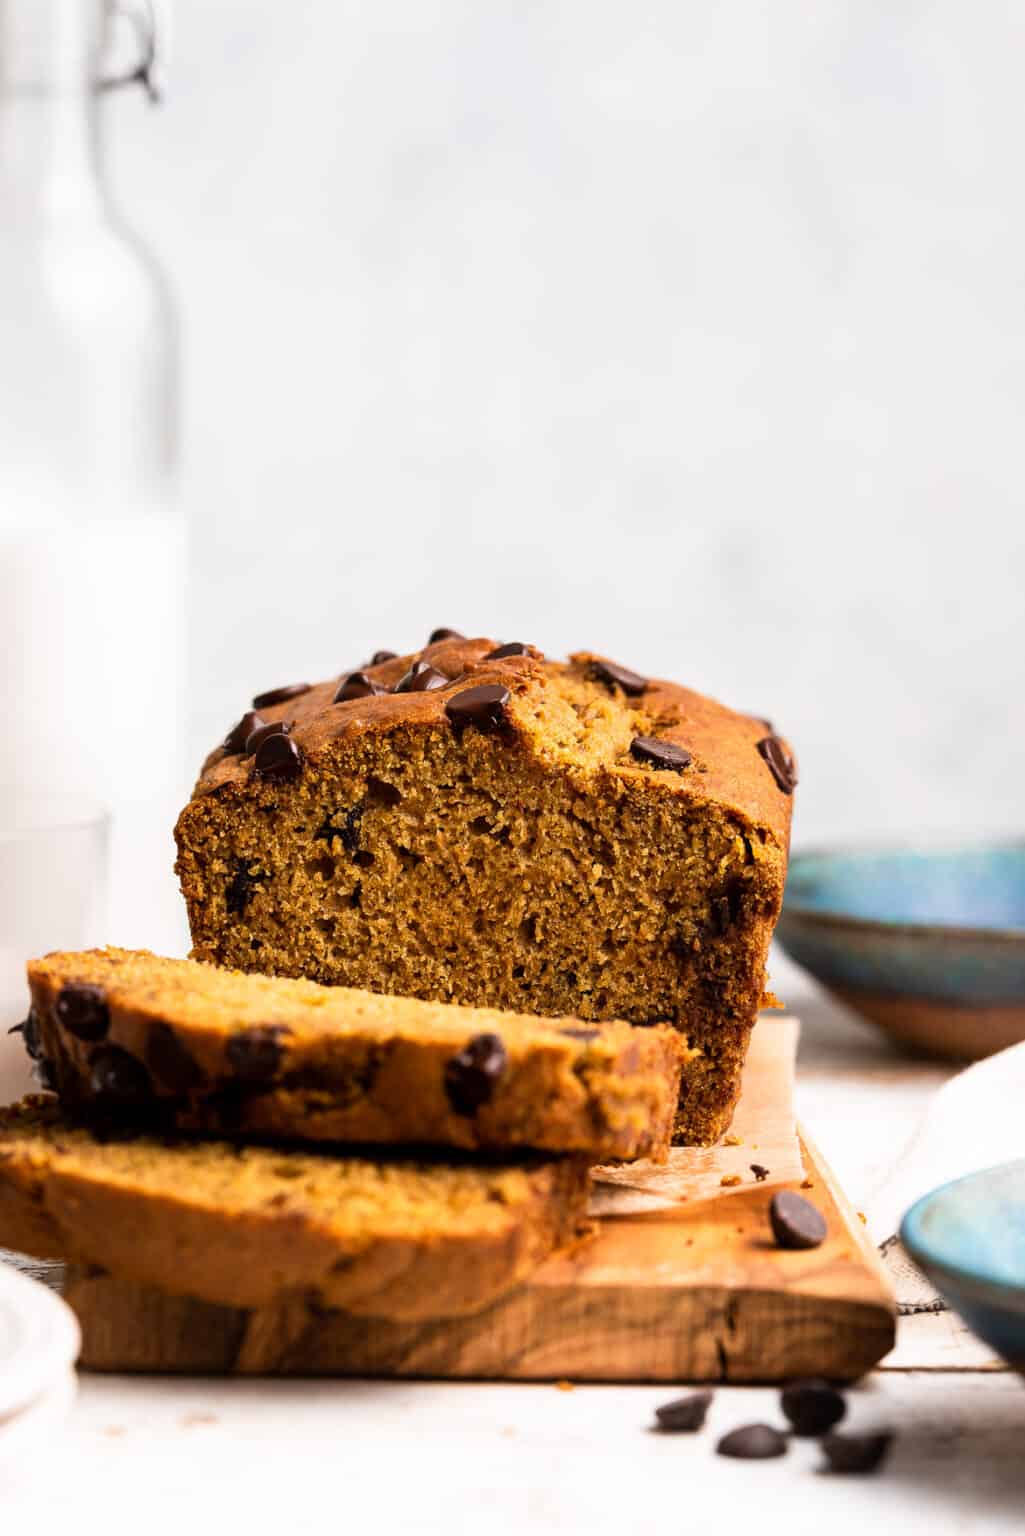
x=92 y=548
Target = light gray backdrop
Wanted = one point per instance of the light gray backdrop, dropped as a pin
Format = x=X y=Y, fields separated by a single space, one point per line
x=689 y=332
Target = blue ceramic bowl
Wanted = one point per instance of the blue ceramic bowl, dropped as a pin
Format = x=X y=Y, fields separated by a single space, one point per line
x=969 y=1238
x=927 y=943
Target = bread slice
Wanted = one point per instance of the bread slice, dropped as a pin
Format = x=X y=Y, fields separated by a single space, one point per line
x=225 y=1052
x=476 y=824
x=249 y=1226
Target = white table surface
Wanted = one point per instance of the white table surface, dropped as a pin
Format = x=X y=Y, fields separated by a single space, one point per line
x=149 y=1455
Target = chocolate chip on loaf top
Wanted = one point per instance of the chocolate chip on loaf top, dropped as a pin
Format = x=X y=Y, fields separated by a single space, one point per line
x=199 y=1048
x=474 y=823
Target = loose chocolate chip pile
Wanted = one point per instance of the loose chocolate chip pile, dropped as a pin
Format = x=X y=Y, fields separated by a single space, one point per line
x=660 y=754
x=279 y=695
x=170 y=1061
x=83 y=1011
x=380 y=656
x=513 y=648
x=236 y=739
x=357 y=685
x=781 y=764
x=796 y=1223
x=632 y=683
x=470 y=1077
x=256 y=1053
x=753 y=1442
x=856 y=1453
x=117 y=1079
x=421 y=678
x=812 y=1406
x=444 y=634
x=684 y=1415
x=279 y=760
x=483 y=707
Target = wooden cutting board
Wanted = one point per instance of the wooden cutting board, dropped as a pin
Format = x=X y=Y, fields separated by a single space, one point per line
x=699 y=1294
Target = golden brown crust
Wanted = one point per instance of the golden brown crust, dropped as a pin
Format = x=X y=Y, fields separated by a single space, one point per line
x=546 y=867
x=250 y=1226
x=232 y=1053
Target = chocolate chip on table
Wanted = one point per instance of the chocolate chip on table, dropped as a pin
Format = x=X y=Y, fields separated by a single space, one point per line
x=82 y=1010
x=256 y=1053
x=781 y=764
x=357 y=685
x=684 y=1415
x=514 y=648
x=610 y=672
x=279 y=695
x=753 y=1442
x=170 y=1061
x=856 y=1453
x=470 y=1077
x=796 y=1223
x=483 y=707
x=117 y=1079
x=421 y=678
x=660 y=754
x=444 y=634
x=236 y=739
x=381 y=656
x=279 y=760
x=256 y=738
x=760 y=1172
x=812 y=1405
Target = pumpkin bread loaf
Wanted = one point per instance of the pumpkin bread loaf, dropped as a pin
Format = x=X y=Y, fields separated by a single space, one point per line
x=220 y=1051
x=252 y=1226
x=477 y=824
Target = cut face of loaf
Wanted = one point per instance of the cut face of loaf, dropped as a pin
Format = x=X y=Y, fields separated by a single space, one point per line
x=507 y=831
x=134 y=1035
x=253 y=1226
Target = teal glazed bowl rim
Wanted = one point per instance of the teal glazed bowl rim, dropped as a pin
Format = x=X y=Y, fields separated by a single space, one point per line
x=800 y=902
x=978 y=1262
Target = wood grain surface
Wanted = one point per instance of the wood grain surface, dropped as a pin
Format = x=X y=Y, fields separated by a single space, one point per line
x=699 y=1295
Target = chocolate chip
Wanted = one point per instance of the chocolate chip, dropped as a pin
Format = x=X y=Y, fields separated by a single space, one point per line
x=660 y=754
x=444 y=634
x=781 y=764
x=82 y=1010
x=753 y=1442
x=812 y=1406
x=381 y=656
x=483 y=707
x=118 y=1080
x=356 y=686
x=856 y=1453
x=347 y=831
x=170 y=1061
x=256 y=739
x=255 y=1054
x=279 y=695
x=615 y=676
x=796 y=1223
x=29 y=1031
x=240 y=888
x=514 y=648
x=470 y=1077
x=279 y=760
x=421 y=678
x=684 y=1415
x=236 y=739
x=726 y=908
x=581 y=1034
x=760 y=1172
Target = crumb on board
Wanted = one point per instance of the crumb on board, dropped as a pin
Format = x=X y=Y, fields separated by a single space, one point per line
x=863 y=1218
x=564 y=1386
x=732 y=1141
x=729 y=1180
x=807 y=1183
